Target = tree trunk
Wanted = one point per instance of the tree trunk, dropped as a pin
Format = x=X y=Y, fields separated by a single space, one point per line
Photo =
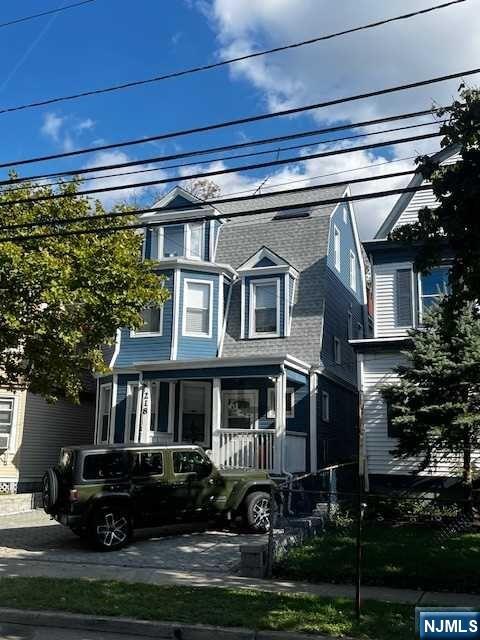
x=467 y=479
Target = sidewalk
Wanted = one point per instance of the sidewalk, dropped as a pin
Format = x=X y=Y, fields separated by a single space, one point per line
x=53 y=569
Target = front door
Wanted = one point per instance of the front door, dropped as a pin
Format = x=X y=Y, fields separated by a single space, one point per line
x=195 y=414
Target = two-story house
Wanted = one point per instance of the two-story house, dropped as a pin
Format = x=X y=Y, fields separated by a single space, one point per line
x=249 y=357
x=400 y=297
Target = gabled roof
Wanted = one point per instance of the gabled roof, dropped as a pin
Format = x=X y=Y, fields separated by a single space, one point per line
x=265 y=259
x=405 y=199
x=181 y=198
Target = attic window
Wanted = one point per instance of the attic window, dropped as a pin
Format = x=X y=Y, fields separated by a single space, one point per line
x=292 y=213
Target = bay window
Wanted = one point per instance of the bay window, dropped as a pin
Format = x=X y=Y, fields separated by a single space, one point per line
x=173 y=241
x=178 y=241
x=195 y=240
x=265 y=308
x=197 y=302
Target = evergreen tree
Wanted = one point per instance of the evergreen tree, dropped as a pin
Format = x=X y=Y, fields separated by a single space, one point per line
x=435 y=406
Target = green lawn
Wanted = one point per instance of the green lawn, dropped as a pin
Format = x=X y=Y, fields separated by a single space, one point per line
x=401 y=556
x=224 y=607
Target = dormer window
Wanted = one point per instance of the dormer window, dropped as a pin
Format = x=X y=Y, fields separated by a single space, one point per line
x=178 y=241
x=265 y=308
x=173 y=241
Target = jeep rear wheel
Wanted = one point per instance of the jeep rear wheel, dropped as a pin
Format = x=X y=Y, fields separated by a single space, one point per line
x=258 y=511
x=110 y=528
x=50 y=490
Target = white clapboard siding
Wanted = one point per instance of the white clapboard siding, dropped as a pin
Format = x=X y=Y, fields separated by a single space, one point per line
x=385 y=300
x=49 y=427
x=377 y=371
x=421 y=199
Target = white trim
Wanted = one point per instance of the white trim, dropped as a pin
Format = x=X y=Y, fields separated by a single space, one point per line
x=271 y=404
x=128 y=410
x=353 y=271
x=272 y=270
x=420 y=274
x=98 y=426
x=243 y=318
x=195 y=265
x=216 y=418
x=172 y=194
x=337 y=251
x=165 y=365
x=139 y=407
x=208 y=409
x=325 y=406
x=12 y=435
x=291 y=306
x=286 y=306
x=116 y=350
x=176 y=311
x=149 y=334
x=171 y=407
x=220 y=310
x=114 y=408
x=353 y=222
x=240 y=393
x=161 y=242
x=225 y=320
x=313 y=388
x=191 y=334
x=264 y=252
x=188 y=240
x=211 y=241
x=252 y=301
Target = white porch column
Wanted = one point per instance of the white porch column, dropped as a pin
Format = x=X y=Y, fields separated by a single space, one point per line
x=216 y=419
x=138 y=411
x=145 y=413
x=280 y=422
x=313 y=421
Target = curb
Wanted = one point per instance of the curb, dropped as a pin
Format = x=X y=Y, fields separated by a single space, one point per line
x=149 y=629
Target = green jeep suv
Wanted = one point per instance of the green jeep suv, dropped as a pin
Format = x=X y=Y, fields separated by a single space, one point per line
x=104 y=492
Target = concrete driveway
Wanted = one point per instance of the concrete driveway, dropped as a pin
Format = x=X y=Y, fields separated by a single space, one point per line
x=33 y=536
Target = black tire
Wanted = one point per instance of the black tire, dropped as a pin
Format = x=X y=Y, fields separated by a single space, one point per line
x=50 y=490
x=257 y=511
x=110 y=528
x=81 y=533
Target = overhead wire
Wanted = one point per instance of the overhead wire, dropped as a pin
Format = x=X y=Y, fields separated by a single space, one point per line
x=45 y=13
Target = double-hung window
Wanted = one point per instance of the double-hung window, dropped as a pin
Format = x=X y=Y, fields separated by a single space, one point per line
x=104 y=408
x=433 y=286
x=152 y=322
x=195 y=240
x=289 y=403
x=197 y=316
x=173 y=241
x=6 y=417
x=265 y=308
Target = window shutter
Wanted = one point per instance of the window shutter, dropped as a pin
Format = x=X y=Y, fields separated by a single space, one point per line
x=403 y=298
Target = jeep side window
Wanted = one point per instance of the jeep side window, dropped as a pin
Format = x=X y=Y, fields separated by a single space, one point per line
x=148 y=463
x=105 y=466
x=188 y=462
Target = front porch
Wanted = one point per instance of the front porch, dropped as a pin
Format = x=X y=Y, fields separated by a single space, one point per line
x=250 y=416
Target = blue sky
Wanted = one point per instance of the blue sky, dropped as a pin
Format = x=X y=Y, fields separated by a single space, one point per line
x=113 y=41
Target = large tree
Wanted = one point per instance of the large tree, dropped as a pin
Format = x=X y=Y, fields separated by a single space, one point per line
x=455 y=222
x=62 y=298
x=435 y=406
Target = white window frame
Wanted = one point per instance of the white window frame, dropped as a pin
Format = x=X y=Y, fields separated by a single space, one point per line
x=12 y=435
x=101 y=388
x=344 y=214
x=337 y=247
x=149 y=334
x=271 y=403
x=353 y=271
x=128 y=410
x=239 y=394
x=161 y=241
x=252 y=300
x=337 y=350
x=188 y=240
x=191 y=334
x=325 y=406
x=420 y=294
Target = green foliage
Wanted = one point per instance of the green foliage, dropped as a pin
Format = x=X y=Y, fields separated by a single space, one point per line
x=436 y=402
x=418 y=510
x=457 y=189
x=63 y=298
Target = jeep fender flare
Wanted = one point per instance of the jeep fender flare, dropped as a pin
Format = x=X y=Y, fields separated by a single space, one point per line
x=237 y=499
x=117 y=499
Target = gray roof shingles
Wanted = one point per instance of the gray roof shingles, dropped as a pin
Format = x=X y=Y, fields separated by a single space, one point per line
x=302 y=242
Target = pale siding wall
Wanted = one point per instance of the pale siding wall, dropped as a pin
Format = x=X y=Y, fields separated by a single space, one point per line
x=377 y=370
x=47 y=428
x=9 y=459
x=385 y=300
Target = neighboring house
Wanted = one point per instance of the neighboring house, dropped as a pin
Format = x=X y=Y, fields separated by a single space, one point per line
x=400 y=297
x=250 y=356
x=32 y=433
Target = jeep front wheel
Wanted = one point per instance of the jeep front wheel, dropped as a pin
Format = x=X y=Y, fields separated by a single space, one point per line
x=110 y=528
x=258 y=511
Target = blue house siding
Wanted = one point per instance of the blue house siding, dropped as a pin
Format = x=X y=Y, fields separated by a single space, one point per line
x=347 y=244
x=143 y=349
x=248 y=280
x=121 y=406
x=190 y=348
x=339 y=302
x=336 y=439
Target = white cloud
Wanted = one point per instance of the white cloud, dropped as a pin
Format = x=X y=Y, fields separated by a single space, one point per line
x=85 y=125
x=114 y=178
x=396 y=53
x=52 y=124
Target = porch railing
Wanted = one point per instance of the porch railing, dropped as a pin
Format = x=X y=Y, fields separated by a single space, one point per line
x=247 y=448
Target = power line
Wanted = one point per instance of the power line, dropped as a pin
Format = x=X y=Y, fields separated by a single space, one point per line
x=78 y=173
x=215 y=65
x=147 y=225
x=195 y=152
x=227 y=170
x=45 y=13
x=213 y=202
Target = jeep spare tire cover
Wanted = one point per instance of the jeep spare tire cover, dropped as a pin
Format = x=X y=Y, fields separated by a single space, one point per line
x=50 y=490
